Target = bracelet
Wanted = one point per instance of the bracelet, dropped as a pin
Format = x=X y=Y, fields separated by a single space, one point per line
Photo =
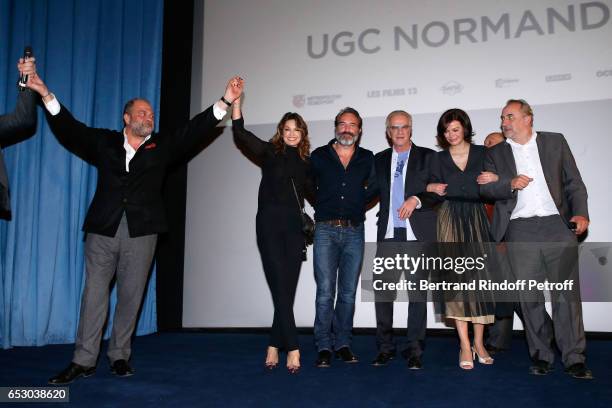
x=46 y=95
x=225 y=101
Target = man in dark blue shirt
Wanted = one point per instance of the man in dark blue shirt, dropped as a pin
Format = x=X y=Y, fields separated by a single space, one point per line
x=344 y=179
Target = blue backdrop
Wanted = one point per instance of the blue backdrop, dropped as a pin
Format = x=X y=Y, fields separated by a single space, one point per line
x=94 y=55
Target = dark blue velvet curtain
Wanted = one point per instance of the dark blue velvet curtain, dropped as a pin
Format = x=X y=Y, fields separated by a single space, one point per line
x=94 y=55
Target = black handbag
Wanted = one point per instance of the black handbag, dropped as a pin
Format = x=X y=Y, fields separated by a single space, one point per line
x=308 y=225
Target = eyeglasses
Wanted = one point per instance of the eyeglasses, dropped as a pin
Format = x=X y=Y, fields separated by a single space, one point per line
x=397 y=128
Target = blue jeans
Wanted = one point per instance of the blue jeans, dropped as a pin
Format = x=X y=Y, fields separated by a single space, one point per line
x=338 y=253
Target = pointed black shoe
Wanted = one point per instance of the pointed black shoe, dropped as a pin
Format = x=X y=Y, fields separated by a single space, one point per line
x=414 y=363
x=493 y=349
x=345 y=354
x=580 y=371
x=382 y=359
x=540 y=367
x=324 y=359
x=121 y=368
x=71 y=373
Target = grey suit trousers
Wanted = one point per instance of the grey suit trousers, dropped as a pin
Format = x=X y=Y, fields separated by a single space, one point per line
x=548 y=261
x=130 y=259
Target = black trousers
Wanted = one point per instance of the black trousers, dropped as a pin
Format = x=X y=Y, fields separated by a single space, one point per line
x=281 y=244
x=417 y=318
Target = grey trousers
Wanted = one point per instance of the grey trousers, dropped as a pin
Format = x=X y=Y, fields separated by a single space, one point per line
x=548 y=261
x=131 y=259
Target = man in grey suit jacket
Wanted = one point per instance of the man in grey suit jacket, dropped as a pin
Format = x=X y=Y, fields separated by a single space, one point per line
x=540 y=197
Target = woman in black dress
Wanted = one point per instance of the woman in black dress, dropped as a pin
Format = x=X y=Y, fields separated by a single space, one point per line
x=457 y=171
x=284 y=162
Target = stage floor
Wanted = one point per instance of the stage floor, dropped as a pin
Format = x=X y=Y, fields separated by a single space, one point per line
x=206 y=369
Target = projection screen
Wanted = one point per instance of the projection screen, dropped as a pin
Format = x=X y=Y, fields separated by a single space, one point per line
x=316 y=57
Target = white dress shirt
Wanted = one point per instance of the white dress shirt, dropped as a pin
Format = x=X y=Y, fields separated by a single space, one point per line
x=535 y=199
x=130 y=152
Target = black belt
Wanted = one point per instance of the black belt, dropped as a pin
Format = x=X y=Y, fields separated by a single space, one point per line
x=340 y=223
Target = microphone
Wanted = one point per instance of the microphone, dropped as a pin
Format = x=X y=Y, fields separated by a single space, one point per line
x=23 y=78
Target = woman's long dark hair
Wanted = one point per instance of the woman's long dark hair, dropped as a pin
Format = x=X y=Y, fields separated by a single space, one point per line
x=304 y=145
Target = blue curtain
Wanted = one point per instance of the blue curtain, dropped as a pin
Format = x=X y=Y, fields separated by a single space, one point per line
x=94 y=55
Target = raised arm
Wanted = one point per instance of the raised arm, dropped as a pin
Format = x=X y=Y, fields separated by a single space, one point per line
x=254 y=144
x=189 y=137
x=21 y=123
x=74 y=135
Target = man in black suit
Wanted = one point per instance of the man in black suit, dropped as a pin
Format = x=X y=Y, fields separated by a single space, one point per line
x=540 y=198
x=125 y=216
x=15 y=127
x=406 y=214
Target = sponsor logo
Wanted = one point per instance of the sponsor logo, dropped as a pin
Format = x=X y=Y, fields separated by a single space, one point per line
x=558 y=77
x=299 y=101
x=505 y=82
x=604 y=73
x=451 y=88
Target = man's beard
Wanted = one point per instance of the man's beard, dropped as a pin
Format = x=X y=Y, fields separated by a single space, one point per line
x=140 y=129
x=340 y=138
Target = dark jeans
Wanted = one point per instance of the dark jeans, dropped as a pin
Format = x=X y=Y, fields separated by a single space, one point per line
x=338 y=254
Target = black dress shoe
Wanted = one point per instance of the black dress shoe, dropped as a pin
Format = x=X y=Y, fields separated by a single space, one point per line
x=324 y=359
x=414 y=363
x=493 y=349
x=540 y=367
x=580 y=371
x=121 y=368
x=345 y=354
x=382 y=359
x=71 y=373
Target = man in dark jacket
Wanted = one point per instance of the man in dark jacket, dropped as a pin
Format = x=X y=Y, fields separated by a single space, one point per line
x=14 y=127
x=406 y=215
x=125 y=215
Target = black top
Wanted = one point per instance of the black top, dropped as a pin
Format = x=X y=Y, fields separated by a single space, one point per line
x=139 y=192
x=462 y=185
x=277 y=168
x=342 y=193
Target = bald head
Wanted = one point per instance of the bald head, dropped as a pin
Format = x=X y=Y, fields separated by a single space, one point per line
x=493 y=138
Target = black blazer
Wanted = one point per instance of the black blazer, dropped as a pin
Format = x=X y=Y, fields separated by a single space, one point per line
x=560 y=171
x=423 y=220
x=15 y=127
x=137 y=193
